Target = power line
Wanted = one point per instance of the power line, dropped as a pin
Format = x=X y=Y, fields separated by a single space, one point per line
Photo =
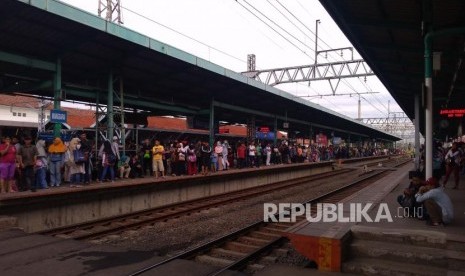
x=184 y=35
x=324 y=42
x=290 y=21
x=292 y=43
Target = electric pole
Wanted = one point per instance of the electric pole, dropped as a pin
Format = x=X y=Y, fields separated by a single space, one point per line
x=112 y=9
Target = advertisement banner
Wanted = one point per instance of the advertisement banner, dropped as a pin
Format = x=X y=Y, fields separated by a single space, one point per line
x=321 y=140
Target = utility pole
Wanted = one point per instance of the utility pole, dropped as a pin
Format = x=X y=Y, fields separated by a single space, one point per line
x=112 y=9
x=251 y=62
x=316 y=44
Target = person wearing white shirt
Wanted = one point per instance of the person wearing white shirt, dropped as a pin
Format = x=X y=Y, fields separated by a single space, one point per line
x=437 y=203
x=252 y=155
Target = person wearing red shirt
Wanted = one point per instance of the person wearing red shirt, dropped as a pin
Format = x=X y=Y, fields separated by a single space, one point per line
x=7 y=165
x=241 y=156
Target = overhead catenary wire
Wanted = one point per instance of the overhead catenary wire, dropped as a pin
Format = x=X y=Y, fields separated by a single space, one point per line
x=335 y=107
x=264 y=22
x=290 y=21
x=184 y=35
x=271 y=20
x=343 y=80
x=189 y=37
x=327 y=45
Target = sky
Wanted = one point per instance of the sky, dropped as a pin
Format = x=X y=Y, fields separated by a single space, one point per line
x=226 y=31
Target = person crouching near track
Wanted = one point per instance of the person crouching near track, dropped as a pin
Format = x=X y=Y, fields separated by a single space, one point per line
x=123 y=167
x=437 y=203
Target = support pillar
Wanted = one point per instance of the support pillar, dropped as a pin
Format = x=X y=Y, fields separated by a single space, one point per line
x=275 y=140
x=212 y=123
x=136 y=134
x=97 y=123
x=57 y=96
x=123 y=129
x=417 y=132
x=251 y=129
x=110 y=124
x=311 y=136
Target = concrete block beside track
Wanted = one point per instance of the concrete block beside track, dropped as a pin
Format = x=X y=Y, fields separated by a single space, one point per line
x=60 y=207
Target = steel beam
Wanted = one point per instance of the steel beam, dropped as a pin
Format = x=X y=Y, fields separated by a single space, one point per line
x=27 y=61
x=142 y=104
x=284 y=118
x=57 y=95
x=322 y=71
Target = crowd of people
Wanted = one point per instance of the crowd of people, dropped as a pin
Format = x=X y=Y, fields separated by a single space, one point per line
x=40 y=165
x=426 y=199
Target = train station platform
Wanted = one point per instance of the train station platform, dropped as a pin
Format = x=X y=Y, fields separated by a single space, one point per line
x=23 y=253
x=405 y=245
x=65 y=205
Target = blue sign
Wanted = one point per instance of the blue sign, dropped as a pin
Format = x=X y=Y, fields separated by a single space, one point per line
x=337 y=140
x=58 y=116
x=265 y=136
x=49 y=136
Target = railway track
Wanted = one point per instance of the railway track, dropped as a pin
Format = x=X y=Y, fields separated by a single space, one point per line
x=235 y=251
x=134 y=221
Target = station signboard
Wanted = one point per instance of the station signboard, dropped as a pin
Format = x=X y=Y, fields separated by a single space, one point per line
x=452 y=113
x=265 y=136
x=263 y=129
x=58 y=116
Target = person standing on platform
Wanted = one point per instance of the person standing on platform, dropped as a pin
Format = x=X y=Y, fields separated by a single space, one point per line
x=108 y=160
x=241 y=153
x=225 y=155
x=205 y=152
x=453 y=159
x=219 y=156
x=76 y=167
x=437 y=203
x=7 y=165
x=258 y=155
x=41 y=165
x=157 y=162
x=136 y=167
x=198 y=154
x=27 y=155
x=115 y=149
x=267 y=152
x=252 y=154
x=146 y=157
x=191 y=160
x=180 y=160
x=56 y=153
x=86 y=148
x=16 y=183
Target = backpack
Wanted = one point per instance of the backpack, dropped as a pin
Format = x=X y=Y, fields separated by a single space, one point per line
x=111 y=158
x=79 y=156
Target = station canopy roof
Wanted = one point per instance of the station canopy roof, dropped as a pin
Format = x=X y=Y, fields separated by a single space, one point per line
x=389 y=34
x=156 y=77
